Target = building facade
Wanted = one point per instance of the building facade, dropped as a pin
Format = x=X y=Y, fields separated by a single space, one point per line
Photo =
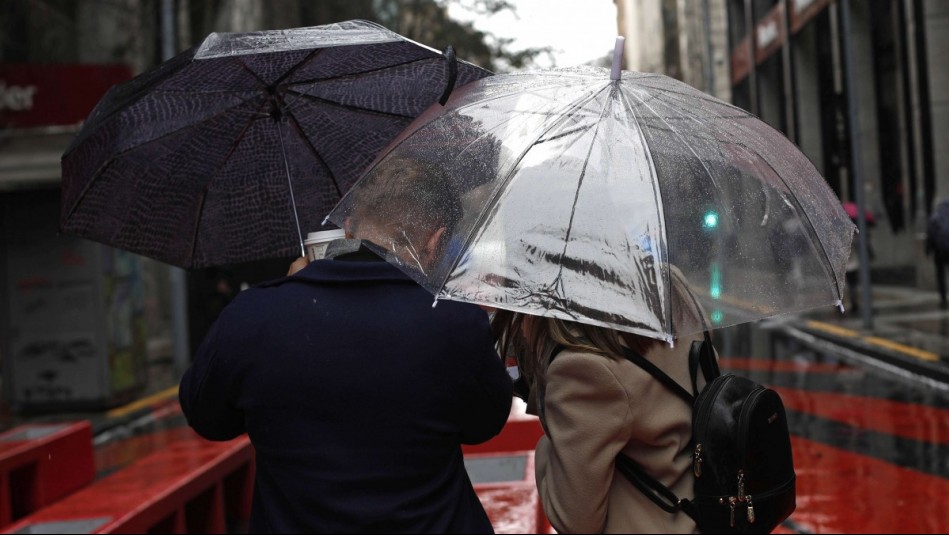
x=787 y=62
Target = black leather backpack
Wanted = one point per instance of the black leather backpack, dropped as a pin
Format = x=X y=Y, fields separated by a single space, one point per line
x=742 y=460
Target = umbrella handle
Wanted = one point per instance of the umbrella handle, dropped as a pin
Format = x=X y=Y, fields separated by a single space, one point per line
x=618 y=47
x=449 y=55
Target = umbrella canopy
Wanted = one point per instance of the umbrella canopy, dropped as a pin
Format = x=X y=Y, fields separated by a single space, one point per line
x=222 y=153
x=600 y=188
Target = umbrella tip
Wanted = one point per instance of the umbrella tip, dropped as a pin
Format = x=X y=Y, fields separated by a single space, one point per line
x=449 y=55
x=616 y=73
x=840 y=305
x=435 y=302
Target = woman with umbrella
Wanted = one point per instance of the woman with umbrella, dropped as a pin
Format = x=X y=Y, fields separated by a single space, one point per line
x=594 y=404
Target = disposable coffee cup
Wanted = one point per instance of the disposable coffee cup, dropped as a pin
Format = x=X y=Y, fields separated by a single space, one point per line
x=316 y=242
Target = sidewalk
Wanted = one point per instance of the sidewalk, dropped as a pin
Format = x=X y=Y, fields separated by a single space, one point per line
x=908 y=333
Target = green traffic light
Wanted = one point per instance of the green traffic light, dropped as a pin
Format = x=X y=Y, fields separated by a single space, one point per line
x=715 y=282
x=710 y=220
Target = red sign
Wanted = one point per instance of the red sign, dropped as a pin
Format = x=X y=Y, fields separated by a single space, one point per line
x=44 y=95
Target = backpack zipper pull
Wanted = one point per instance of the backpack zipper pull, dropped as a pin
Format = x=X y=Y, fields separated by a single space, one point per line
x=697 y=461
x=741 y=485
x=751 y=510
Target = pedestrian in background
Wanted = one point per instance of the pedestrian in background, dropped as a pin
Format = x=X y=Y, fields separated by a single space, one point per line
x=937 y=245
x=853 y=262
x=594 y=404
x=355 y=391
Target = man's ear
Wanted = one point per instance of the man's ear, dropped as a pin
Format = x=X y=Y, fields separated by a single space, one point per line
x=348 y=227
x=430 y=249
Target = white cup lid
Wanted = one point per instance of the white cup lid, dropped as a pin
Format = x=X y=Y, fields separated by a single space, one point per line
x=324 y=235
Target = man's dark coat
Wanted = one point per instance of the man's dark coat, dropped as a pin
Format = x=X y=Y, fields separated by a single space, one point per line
x=357 y=395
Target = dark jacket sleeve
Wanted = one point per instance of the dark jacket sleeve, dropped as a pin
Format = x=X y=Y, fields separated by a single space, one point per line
x=208 y=388
x=489 y=391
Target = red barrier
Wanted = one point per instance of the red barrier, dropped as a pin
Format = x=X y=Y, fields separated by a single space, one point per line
x=192 y=486
x=505 y=485
x=520 y=433
x=42 y=463
x=502 y=471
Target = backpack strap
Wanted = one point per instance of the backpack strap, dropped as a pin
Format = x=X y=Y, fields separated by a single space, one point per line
x=702 y=354
x=660 y=375
x=653 y=489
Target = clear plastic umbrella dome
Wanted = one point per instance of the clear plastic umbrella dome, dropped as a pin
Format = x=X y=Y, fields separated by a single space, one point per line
x=580 y=194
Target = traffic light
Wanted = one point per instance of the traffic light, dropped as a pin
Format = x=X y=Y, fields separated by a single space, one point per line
x=717 y=316
x=710 y=219
x=715 y=282
x=709 y=223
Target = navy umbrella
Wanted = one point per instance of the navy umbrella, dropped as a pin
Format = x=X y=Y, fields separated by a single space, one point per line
x=225 y=152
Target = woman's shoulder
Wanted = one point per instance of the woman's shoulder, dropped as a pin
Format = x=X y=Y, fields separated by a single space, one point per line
x=578 y=362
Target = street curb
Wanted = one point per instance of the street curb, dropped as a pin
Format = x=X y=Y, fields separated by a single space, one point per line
x=933 y=374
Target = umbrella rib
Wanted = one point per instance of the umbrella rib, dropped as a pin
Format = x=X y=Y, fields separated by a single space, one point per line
x=569 y=109
x=659 y=202
x=316 y=154
x=573 y=208
x=697 y=95
x=102 y=167
x=192 y=125
x=309 y=57
x=349 y=107
x=351 y=75
x=197 y=223
x=207 y=186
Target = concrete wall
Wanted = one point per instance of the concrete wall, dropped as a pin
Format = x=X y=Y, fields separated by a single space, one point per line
x=937 y=43
x=640 y=22
x=721 y=64
x=936 y=28
x=807 y=89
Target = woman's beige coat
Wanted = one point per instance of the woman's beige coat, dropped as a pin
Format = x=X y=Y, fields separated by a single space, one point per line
x=596 y=407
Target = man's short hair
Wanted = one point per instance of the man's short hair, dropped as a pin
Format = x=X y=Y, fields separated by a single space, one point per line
x=413 y=196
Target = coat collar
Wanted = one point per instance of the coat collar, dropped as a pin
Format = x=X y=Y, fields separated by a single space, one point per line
x=341 y=271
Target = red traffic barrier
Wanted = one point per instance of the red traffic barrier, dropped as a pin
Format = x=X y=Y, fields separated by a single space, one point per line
x=42 y=463
x=192 y=486
x=504 y=482
x=502 y=471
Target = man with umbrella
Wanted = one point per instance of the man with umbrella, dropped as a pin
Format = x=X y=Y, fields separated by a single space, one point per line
x=356 y=393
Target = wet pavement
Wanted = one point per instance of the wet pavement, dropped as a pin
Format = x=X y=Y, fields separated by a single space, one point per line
x=869 y=413
x=908 y=335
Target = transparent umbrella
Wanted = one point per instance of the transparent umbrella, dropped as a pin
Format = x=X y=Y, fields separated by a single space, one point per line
x=581 y=193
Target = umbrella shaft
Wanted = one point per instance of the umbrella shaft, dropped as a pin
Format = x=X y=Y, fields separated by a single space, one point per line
x=293 y=202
